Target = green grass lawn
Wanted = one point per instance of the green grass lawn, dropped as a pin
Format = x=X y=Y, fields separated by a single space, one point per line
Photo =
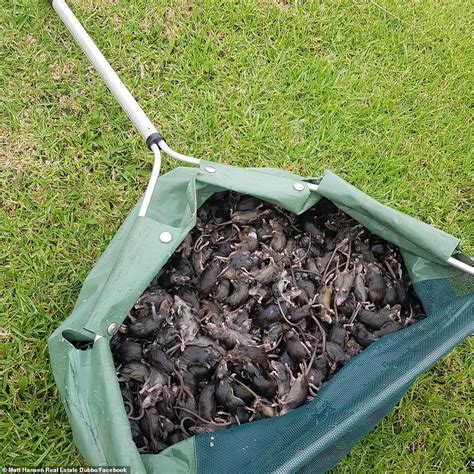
x=380 y=93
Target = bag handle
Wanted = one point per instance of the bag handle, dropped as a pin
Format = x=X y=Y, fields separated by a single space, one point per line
x=150 y=134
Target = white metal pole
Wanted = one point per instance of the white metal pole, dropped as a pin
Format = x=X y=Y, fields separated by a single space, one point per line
x=114 y=83
x=178 y=156
x=150 y=134
x=155 y=172
x=454 y=262
x=116 y=86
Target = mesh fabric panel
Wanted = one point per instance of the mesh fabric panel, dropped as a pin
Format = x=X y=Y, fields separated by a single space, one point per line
x=462 y=284
x=316 y=436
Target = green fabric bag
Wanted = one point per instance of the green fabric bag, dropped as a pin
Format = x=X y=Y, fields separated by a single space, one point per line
x=312 y=438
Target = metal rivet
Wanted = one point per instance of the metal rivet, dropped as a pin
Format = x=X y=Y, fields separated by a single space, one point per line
x=165 y=237
x=298 y=186
x=112 y=329
x=210 y=169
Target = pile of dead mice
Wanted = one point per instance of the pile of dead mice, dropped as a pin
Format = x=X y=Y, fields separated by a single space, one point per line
x=253 y=313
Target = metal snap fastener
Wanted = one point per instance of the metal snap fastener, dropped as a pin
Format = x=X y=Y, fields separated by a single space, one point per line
x=112 y=329
x=298 y=186
x=165 y=237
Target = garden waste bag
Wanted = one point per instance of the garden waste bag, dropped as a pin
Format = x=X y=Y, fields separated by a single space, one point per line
x=312 y=438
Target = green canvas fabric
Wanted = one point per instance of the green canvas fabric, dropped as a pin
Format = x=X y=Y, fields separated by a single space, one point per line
x=86 y=378
x=404 y=231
